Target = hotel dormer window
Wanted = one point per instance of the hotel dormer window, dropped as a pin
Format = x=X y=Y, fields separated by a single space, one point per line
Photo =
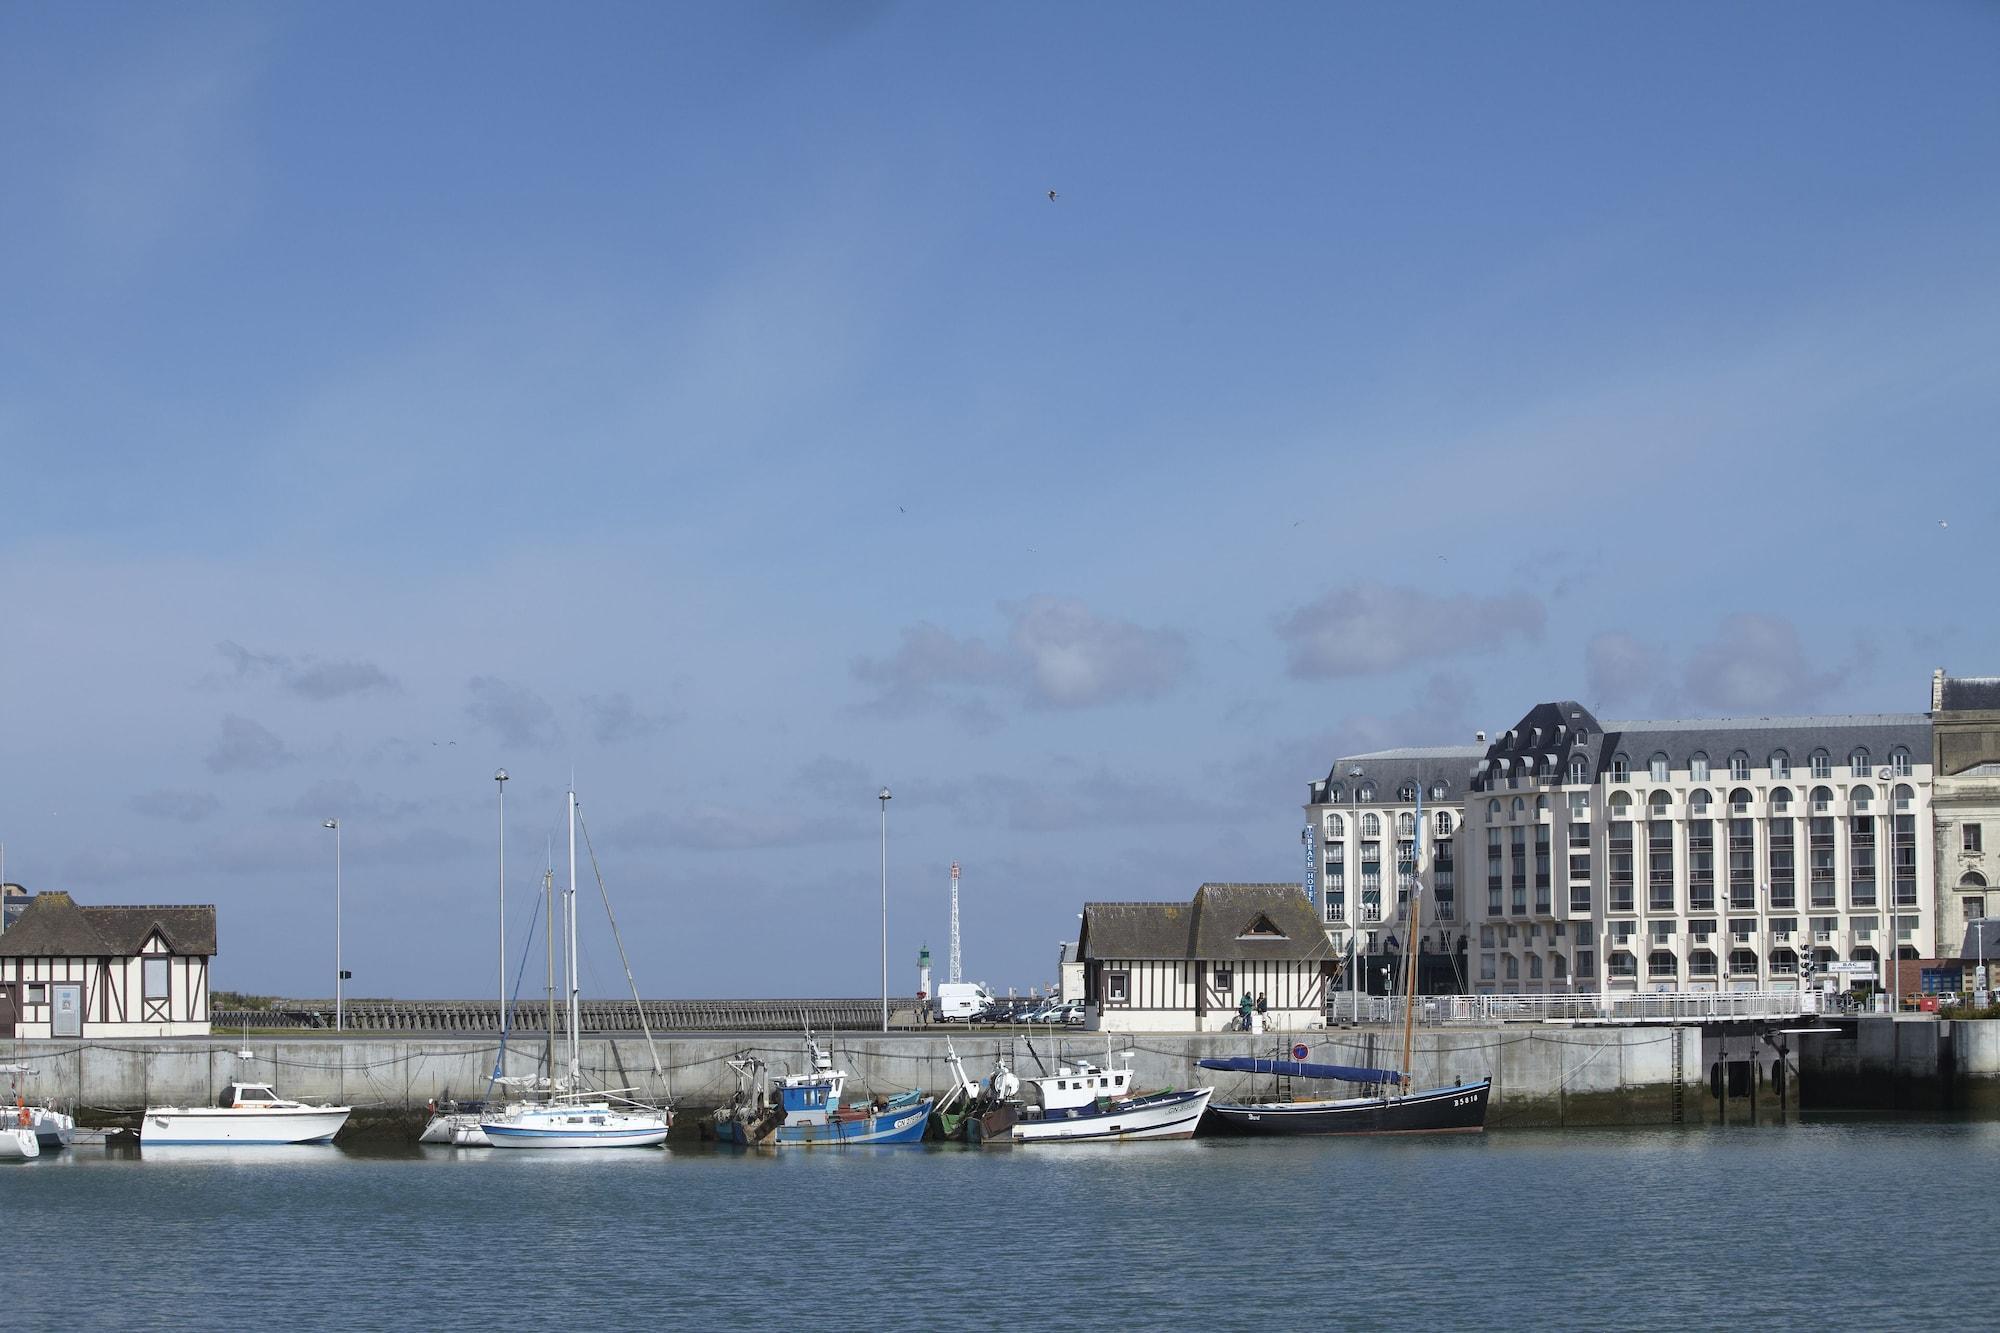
x=1739 y=767
x=1698 y=767
x=1364 y=793
x=1437 y=791
x=1857 y=763
x=1407 y=793
x=1579 y=769
x=1621 y=768
x=1822 y=764
x=1656 y=768
x=1781 y=765
x=1899 y=762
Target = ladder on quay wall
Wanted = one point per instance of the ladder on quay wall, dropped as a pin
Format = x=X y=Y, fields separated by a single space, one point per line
x=1680 y=1081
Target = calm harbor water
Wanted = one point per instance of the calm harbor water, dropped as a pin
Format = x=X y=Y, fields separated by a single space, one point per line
x=1870 y=1225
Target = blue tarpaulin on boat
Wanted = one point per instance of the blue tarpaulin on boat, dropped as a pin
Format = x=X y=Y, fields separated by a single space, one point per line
x=1250 y=1064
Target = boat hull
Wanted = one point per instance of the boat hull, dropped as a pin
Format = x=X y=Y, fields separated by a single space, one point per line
x=165 y=1126
x=903 y=1124
x=1459 y=1109
x=1162 y=1115
x=459 y=1129
x=576 y=1127
x=18 y=1144
x=53 y=1129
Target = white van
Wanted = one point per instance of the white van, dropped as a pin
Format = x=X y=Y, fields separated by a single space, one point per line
x=959 y=1001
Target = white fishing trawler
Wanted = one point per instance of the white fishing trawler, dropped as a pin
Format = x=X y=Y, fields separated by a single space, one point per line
x=246 y=1113
x=1082 y=1103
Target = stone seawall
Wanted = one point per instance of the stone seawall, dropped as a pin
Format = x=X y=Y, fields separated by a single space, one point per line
x=1541 y=1075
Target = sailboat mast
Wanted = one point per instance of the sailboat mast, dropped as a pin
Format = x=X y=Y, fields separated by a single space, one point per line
x=1410 y=940
x=549 y=937
x=569 y=925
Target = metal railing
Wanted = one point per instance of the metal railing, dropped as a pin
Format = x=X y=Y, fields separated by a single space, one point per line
x=597 y=1015
x=1611 y=1007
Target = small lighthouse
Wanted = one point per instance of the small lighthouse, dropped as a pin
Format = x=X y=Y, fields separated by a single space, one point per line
x=924 y=973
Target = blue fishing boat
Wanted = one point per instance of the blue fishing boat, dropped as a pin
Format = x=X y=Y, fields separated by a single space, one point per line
x=806 y=1108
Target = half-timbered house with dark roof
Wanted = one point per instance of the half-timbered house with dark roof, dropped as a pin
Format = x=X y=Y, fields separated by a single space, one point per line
x=73 y=971
x=1183 y=967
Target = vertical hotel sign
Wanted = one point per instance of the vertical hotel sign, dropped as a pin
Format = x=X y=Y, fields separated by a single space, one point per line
x=1312 y=865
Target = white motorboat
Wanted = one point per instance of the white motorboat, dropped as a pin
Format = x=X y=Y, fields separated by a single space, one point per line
x=1082 y=1103
x=18 y=1142
x=245 y=1113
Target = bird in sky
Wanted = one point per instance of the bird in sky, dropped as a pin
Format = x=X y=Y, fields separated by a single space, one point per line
x=1052 y=196
x=1943 y=524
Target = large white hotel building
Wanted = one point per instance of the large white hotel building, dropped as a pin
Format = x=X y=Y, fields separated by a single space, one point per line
x=1572 y=854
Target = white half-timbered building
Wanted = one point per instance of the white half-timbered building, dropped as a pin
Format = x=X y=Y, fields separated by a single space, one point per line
x=72 y=971
x=1184 y=967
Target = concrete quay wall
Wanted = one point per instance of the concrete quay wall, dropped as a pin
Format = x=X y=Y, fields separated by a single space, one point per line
x=1908 y=1063
x=1542 y=1075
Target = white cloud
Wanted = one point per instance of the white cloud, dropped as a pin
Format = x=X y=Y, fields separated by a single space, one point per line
x=1757 y=663
x=1367 y=628
x=514 y=713
x=1059 y=655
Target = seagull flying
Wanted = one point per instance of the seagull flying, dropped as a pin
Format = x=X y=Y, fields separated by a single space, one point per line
x=1943 y=524
x=1052 y=196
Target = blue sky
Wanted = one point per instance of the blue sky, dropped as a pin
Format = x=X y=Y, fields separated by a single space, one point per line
x=712 y=401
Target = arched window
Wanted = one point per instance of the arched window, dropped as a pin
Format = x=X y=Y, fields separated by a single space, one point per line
x=1972 y=879
x=1903 y=797
x=1742 y=960
x=1442 y=823
x=1579 y=769
x=1781 y=800
x=1621 y=805
x=1781 y=764
x=1698 y=803
x=1739 y=801
x=1859 y=796
x=1371 y=826
x=1822 y=764
x=1335 y=826
x=1493 y=811
x=1662 y=963
x=1621 y=768
x=1333 y=792
x=1698 y=767
x=1541 y=806
x=1407 y=793
x=1438 y=790
x=1406 y=825
x=1656 y=768
x=1662 y=803
x=1899 y=762
x=1857 y=762
x=1822 y=800
x=1518 y=808
x=1739 y=767
x=1365 y=792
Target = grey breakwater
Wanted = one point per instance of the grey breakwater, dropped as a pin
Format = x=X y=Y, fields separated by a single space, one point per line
x=1543 y=1075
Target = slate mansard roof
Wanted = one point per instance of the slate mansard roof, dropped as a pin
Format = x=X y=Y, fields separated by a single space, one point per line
x=1969 y=694
x=55 y=927
x=1216 y=925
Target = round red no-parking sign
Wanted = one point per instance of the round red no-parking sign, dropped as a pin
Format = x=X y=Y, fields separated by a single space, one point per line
x=1301 y=1051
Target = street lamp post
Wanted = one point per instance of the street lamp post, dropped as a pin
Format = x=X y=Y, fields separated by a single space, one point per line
x=883 y=796
x=500 y=785
x=339 y=1006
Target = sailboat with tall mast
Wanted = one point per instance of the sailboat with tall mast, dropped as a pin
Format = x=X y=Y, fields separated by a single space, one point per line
x=1456 y=1108
x=574 y=1117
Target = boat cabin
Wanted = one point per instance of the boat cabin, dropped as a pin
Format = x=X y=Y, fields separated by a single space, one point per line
x=251 y=1095
x=1082 y=1085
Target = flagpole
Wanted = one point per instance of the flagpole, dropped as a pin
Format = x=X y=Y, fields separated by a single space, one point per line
x=1410 y=941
